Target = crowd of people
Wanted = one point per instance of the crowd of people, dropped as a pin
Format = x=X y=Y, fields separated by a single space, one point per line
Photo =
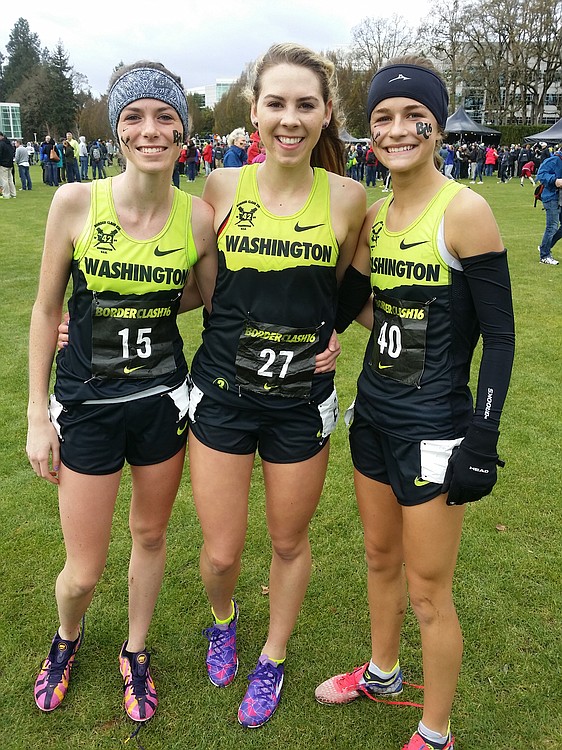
x=64 y=160
x=468 y=161
x=281 y=252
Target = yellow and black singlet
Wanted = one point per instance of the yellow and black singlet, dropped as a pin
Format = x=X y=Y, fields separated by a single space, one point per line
x=414 y=381
x=274 y=303
x=123 y=337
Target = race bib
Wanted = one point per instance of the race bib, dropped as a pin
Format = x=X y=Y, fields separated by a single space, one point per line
x=276 y=360
x=399 y=339
x=133 y=338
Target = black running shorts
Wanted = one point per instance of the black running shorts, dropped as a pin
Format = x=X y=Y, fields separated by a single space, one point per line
x=281 y=436
x=414 y=470
x=98 y=438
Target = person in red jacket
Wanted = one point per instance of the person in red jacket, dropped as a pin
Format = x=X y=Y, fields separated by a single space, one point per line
x=528 y=170
x=208 y=158
x=254 y=148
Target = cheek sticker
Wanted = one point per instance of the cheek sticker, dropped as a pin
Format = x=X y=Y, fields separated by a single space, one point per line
x=178 y=138
x=424 y=128
x=376 y=136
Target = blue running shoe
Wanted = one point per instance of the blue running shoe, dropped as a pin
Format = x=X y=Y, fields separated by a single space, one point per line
x=222 y=658
x=263 y=693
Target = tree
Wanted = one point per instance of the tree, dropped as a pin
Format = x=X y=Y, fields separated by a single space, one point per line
x=24 y=55
x=353 y=86
x=63 y=104
x=33 y=95
x=233 y=110
x=442 y=32
x=2 y=87
x=92 y=120
x=515 y=48
x=377 y=40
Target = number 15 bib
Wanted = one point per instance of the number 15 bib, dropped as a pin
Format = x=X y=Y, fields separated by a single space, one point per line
x=132 y=338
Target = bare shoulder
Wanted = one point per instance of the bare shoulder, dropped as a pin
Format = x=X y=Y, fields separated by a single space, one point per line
x=347 y=190
x=220 y=180
x=202 y=211
x=69 y=209
x=373 y=211
x=470 y=225
x=73 y=197
x=468 y=202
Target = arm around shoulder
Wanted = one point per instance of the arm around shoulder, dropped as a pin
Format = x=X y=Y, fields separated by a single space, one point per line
x=205 y=270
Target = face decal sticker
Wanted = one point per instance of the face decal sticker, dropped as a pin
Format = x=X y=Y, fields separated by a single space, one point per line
x=424 y=128
x=178 y=138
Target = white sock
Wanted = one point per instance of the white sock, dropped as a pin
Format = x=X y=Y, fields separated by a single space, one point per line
x=386 y=676
x=431 y=736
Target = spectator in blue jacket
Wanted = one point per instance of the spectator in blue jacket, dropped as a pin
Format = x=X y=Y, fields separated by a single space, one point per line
x=550 y=176
x=236 y=155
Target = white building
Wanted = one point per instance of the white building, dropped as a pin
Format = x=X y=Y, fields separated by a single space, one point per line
x=10 y=120
x=213 y=92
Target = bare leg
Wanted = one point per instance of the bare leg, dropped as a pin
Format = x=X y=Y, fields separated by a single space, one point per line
x=381 y=516
x=86 y=506
x=432 y=533
x=221 y=483
x=154 y=491
x=292 y=495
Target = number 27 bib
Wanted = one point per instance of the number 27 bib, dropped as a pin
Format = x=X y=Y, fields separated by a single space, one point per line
x=276 y=360
x=399 y=339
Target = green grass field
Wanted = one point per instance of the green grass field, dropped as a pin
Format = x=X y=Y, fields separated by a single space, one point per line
x=508 y=582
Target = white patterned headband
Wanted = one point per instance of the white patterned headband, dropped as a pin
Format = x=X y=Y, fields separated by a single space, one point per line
x=146 y=83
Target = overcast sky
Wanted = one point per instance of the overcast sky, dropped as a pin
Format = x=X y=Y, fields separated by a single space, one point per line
x=213 y=40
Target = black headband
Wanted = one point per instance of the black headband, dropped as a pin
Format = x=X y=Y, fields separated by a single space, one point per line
x=411 y=82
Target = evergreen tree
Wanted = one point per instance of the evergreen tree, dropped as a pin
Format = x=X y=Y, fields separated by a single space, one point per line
x=62 y=100
x=24 y=55
x=2 y=89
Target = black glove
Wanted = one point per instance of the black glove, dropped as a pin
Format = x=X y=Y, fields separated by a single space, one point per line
x=471 y=471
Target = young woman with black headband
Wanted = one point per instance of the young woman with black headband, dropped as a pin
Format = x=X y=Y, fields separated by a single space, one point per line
x=121 y=383
x=433 y=259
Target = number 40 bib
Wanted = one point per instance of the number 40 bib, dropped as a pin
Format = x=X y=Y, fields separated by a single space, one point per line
x=399 y=339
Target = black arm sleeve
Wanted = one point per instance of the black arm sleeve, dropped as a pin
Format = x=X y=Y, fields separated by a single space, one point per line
x=487 y=276
x=354 y=291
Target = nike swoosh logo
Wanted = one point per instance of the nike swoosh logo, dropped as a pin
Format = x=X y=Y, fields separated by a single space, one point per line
x=159 y=253
x=129 y=370
x=419 y=482
x=268 y=387
x=181 y=430
x=408 y=245
x=384 y=367
x=298 y=228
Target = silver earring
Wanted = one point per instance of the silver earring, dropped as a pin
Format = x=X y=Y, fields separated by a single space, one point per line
x=255 y=123
x=325 y=125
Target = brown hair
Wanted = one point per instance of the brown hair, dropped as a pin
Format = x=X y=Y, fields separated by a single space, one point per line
x=329 y=151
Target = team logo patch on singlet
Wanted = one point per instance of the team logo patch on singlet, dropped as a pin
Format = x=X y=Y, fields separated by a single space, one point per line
x=277 y=360
x=376 y=229
x=246 y=213
x=132 y=338
x=399 y=339
x=105 y=235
